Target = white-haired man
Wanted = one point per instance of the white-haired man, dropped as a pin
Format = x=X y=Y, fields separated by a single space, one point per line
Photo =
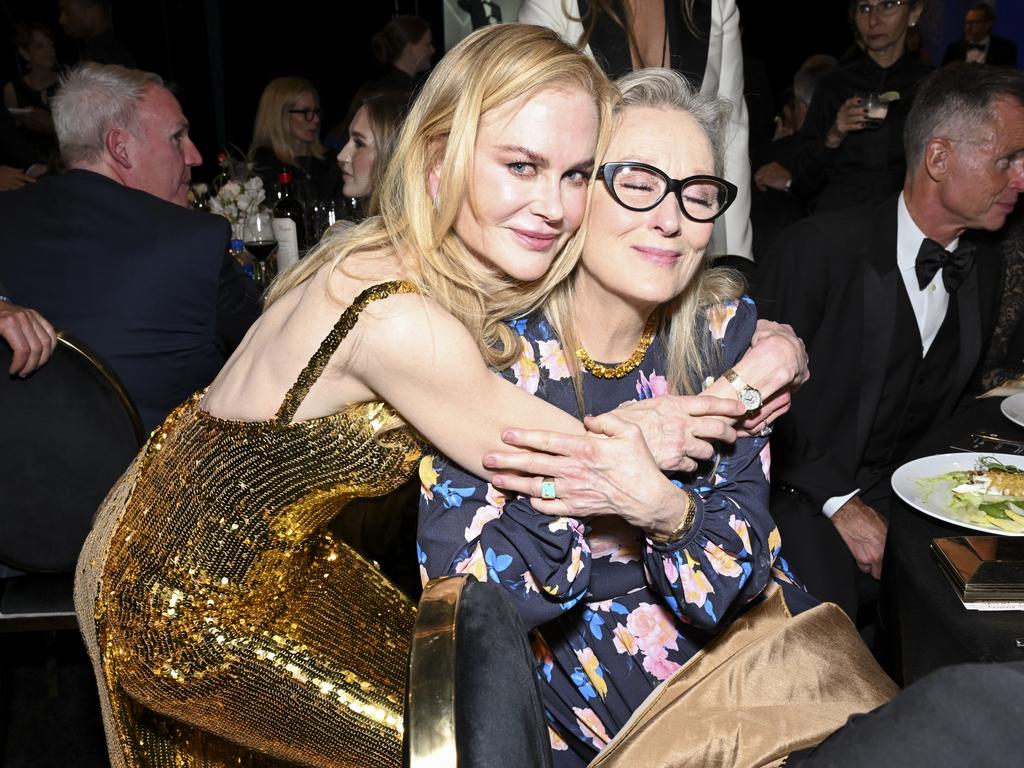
x=109 y=252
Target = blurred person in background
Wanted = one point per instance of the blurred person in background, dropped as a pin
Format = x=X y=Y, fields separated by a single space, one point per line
x=406 y=45
x=91 y=23
x=979 y=45
x=371 y=141
x=286 y=137
x=31 y=91
x=843 y=160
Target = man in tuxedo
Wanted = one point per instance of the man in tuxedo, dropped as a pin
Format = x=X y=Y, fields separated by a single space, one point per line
x=109 y=253
x=979 y=45
x=895 y=302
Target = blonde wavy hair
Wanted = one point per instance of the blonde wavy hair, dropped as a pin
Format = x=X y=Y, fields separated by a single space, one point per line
x=270 y=128
x=489 y=68
x=689 y=355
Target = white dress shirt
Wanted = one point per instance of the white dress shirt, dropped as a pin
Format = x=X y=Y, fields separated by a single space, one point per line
x=929 y=303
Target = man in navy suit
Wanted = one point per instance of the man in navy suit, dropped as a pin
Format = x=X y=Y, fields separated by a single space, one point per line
x=109 y=253
x=979 y=45
x=895 y=302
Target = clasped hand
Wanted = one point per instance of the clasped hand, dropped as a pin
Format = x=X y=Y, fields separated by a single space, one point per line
x=607 y=472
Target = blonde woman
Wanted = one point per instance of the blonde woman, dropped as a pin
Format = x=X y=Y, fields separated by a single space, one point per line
x=221 y=617
x=286 y=137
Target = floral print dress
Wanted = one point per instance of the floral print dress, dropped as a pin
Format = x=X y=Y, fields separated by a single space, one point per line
x=613 y=614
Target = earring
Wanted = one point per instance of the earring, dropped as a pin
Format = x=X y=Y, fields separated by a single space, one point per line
x=437 y=199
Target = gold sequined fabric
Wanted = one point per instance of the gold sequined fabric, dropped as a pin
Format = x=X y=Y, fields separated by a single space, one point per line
x=226 y=625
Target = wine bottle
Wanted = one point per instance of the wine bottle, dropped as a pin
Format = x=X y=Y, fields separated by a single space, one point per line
x=289 y=224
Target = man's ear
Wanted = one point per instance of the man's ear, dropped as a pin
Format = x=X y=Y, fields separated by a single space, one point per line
x=938 y=158
x=116 y=141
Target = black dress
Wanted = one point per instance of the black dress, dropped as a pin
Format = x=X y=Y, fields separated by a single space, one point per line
x=869 y=165
x=44 y=145
x=313 y=178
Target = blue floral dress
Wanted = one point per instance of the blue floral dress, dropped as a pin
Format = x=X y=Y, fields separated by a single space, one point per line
x=613 y=613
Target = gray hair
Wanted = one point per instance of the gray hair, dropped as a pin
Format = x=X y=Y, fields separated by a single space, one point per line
x=667 y=89
x=91 y=99
x=954 y=102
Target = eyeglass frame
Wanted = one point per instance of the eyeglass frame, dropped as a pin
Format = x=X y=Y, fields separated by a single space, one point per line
x=607 y=171
x=309 y=114
x=878 y=7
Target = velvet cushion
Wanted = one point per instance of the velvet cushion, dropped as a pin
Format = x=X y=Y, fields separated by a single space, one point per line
x=499 y=715
x=67 y=436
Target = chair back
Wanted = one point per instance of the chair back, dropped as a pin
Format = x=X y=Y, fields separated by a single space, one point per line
x=473 y=699
x=69 y=430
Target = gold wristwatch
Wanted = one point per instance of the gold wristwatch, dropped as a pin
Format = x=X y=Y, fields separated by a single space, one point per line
x=750 y=397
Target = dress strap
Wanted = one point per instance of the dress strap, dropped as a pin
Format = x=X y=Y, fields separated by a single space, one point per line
x=330 y=344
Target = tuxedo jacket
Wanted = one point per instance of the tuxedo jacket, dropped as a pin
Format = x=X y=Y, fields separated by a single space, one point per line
x=147 y=284
x=1001 y=52
x=834 y=278
x=712 y=60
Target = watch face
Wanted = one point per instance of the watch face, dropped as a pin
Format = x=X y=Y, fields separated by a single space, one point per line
x=751 y=398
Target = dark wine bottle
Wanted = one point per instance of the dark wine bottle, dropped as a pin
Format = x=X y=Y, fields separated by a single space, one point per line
x=289 y=224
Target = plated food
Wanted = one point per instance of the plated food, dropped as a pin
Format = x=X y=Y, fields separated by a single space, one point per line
x=984 y=492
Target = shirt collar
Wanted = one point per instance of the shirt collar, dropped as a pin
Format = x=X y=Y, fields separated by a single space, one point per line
x=909 y=238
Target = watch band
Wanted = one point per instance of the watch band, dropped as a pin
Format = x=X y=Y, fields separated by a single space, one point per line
x=684 y=524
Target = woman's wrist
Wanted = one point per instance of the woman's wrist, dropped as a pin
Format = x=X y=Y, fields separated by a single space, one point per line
x=678 y=525
x=834 y=137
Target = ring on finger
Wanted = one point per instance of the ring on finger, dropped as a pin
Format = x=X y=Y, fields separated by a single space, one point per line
x=547 y=488
x=766 y=430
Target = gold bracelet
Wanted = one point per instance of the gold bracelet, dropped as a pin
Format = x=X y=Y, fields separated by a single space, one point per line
x=684 y=524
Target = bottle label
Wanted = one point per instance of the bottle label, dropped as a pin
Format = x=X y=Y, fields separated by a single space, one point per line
x=287 y=242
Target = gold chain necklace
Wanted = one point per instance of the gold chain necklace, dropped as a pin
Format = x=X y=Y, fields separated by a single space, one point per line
x=626 y=366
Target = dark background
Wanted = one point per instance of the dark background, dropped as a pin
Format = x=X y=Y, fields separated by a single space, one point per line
x=221 y=53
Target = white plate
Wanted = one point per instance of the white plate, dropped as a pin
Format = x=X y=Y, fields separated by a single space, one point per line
x=1013 y=408
x=905 y=483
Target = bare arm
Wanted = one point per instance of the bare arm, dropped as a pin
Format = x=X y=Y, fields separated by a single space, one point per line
x=426 y=365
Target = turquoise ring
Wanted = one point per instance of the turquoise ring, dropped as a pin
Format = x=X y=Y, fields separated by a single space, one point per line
x=547 y=488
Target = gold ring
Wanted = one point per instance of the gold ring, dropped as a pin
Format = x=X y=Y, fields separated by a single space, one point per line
x=547 y=488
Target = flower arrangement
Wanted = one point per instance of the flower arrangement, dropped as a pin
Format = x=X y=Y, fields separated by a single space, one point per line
x=236 y=191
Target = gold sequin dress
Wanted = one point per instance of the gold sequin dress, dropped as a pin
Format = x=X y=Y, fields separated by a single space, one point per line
x=225 y=625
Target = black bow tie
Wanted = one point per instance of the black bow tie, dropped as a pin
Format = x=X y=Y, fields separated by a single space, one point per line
x=931 y=257
x=975 y=46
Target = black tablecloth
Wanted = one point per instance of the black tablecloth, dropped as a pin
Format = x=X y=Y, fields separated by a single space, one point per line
x=927 y=624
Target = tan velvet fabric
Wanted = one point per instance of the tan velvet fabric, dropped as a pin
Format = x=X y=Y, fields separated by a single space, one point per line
x=772 y=684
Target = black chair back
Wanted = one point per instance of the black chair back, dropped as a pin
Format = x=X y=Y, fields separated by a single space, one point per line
x=68 y=431
x=473 y=699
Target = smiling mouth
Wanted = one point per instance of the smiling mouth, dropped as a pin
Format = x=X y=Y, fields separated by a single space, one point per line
x=659 y=256
x=535 y=241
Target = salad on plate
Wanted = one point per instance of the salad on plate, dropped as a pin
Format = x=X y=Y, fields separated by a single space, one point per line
x=991 y=494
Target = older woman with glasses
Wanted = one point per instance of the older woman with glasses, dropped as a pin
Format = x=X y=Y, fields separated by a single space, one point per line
x=286 y=137
x=624 y=573
x=851 y=151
